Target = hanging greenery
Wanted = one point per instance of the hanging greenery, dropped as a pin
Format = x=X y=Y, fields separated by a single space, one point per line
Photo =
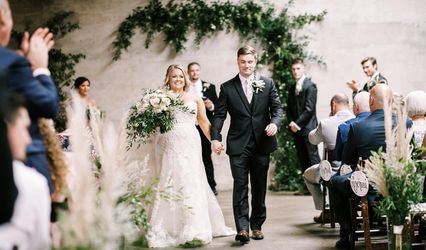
x=61 y=65
x=261 y=24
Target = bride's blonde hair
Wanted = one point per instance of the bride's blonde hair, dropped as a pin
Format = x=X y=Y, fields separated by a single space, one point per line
x=185 y=76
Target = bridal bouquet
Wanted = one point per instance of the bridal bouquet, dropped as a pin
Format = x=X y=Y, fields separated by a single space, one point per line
x=155 y=110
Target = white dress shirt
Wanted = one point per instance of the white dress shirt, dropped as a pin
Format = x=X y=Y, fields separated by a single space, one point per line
x=29 y=226
x=299 y=85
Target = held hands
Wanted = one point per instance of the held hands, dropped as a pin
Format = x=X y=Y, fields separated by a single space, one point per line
x=271 y=129
x=217 y=147
x=354 y=85
x=36 y=47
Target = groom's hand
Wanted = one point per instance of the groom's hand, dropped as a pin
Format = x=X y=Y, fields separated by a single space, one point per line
x=217 y=147
x=271 y=129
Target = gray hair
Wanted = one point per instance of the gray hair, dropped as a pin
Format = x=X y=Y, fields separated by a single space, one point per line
x=416 y=103
x=362 y=100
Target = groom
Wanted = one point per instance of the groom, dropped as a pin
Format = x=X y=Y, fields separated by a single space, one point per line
x=256 y=115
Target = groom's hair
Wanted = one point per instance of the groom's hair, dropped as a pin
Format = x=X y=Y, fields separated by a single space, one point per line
x=247 y=50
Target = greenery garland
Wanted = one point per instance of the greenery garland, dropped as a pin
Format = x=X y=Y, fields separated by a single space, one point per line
x=274 y=32
x=61 y=65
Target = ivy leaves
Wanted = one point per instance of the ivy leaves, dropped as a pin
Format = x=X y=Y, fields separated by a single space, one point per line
x=274 y=32
x=177 y=20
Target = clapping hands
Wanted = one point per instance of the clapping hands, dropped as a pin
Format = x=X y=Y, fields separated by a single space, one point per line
x=354 y=85
x=36 y=48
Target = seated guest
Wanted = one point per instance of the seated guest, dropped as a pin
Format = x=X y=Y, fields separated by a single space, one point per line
x=361 y=109
x=326 y=132
x=364 y=137
x=416 y=110
x=29 y=226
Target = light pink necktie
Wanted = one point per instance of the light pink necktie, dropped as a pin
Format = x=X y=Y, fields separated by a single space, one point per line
x=248 y=90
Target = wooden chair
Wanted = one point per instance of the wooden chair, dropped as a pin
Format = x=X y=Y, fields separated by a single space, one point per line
x=360 y=203
x=325 y=184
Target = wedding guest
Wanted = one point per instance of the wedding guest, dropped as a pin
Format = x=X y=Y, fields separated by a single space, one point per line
x=29 y=226
x=326 y=132
x=207 y=92
x=301 y=113
x=369 y=66
x=361 y=109
x=9 y=192
x=28 y=75
x=82 y=86
x=255 y=110
x=364 y=137
x=416 y=109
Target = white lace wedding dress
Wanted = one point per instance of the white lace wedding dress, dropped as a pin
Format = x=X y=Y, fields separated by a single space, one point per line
x=185 y=208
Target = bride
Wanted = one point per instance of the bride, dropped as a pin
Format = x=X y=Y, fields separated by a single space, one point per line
x=196 y=214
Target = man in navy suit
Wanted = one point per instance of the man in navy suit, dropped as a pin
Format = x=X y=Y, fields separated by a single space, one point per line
x=364 y=137
x=207 y=92
x=255 y=110
x=27 y=74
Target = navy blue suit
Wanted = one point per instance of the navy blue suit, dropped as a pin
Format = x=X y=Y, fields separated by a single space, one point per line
x=342 y=134
x=41 y=98
x=364 y=136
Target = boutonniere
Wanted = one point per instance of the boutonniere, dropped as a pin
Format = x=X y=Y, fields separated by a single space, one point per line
x=258 y=85
x=206 y=85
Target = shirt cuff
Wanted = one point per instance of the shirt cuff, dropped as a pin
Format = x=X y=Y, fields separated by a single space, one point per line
x=41 y=71
x=212 y=108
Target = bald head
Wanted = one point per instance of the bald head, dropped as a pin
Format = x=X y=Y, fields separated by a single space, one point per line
x=339 y=102
x=380 y=95
x=361 y=102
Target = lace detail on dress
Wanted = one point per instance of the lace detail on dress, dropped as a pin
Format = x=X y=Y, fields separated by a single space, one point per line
x=192 y=211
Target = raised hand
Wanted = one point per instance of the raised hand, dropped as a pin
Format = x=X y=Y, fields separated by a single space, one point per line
x=25 y=44
x=354 y=85
x=40 y=43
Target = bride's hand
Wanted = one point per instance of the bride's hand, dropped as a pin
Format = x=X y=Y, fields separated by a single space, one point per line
x=217 y=147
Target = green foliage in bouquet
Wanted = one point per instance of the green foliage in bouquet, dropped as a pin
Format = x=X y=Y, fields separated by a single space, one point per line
x=275 y=33
x=156 y=110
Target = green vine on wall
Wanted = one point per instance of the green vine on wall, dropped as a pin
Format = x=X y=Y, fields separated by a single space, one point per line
x=61 y=64
x=274 y=32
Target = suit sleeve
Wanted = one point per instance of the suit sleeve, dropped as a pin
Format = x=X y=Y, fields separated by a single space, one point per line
x=219 y=117
x=275 y=106
x=349 y=155
x=308 y=110
x=315 y=136
x=212 y=93
x=39 y=92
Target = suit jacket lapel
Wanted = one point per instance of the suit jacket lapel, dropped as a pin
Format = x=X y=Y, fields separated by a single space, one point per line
x=240 y=91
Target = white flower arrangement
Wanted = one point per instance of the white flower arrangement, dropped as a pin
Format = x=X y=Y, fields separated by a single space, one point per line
x=258 y=85
x=206 y=85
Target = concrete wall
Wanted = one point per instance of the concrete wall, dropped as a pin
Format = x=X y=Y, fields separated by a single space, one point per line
x=391 y=30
